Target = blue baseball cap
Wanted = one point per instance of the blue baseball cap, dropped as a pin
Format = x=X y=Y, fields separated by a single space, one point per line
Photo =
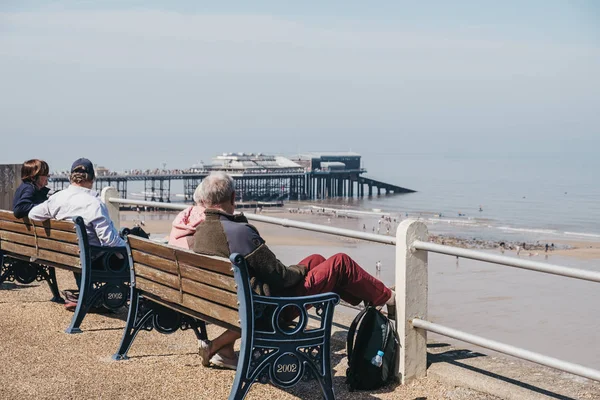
x=83 y=165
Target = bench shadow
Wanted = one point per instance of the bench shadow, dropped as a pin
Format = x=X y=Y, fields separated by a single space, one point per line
x=141 y=356
x=309 y=390
x=14 y=286
x=453 y=357
x=120 y=328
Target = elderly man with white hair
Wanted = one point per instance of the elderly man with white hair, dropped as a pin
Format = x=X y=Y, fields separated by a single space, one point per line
x=223 y=233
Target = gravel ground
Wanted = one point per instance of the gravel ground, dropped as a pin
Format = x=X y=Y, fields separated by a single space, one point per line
x=38 y=360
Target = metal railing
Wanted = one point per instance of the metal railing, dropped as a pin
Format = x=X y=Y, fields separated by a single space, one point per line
x=412 y=247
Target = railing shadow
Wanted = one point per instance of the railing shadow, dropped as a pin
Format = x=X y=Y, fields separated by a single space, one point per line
x=453 y=357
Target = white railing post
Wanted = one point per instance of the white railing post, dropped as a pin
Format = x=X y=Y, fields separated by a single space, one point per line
x=411 y=300
x=113 y=209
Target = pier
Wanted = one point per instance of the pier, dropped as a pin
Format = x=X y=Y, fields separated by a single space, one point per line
x=258 y=177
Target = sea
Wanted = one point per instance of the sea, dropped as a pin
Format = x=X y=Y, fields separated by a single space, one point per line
x=504 y=198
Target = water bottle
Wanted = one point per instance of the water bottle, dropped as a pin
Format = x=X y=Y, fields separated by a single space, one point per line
x=378 y=359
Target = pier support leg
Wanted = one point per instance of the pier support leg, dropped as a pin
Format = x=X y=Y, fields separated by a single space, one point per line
x=411 y=300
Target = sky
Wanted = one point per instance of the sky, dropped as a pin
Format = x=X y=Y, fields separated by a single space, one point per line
x=135 y=84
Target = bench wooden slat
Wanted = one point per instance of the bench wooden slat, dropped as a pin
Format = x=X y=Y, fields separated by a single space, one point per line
x=163 y=264
x=215 y=311
x=67 y=226
x=208 y=292
x=164 y=292
x=63 y=236
x=208 y=278
x=215 y=264
x=42 y=254
x=48 y=244
x=191 y=272
x=157 y=276
x=197 y=289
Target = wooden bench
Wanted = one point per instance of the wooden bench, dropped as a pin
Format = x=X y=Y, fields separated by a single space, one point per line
x=30 y=250
x=173 y=288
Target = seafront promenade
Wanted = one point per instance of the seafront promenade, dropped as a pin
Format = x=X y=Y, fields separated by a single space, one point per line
x=38 y=360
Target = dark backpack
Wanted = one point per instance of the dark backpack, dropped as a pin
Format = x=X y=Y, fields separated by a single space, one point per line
x=375 y=332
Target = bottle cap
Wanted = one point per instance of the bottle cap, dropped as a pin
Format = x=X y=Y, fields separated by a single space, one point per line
x=380 y=353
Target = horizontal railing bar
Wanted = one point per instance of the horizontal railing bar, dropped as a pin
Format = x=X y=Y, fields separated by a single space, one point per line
x=576 y=273
x=372 y=237
x=172 y=206
x=552 y=362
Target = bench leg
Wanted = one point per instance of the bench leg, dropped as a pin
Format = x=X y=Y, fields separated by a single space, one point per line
x=199 y=328
x=87 y=297
x=242 y=384
x=5 y=272
x=50 y=277
x=134 y=324
x=327 y=384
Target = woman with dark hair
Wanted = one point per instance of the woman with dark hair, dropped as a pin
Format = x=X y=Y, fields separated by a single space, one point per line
x=33 y=190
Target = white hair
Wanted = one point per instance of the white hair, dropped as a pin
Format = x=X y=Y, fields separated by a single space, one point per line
x=215 y=189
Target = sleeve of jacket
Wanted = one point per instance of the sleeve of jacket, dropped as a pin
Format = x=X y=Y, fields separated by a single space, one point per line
x=24 y=203
x=270 y=270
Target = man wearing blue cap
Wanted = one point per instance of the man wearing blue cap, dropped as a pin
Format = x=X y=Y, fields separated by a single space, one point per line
x=80 y=200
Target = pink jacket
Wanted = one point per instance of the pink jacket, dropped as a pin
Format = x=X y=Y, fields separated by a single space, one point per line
x=184 y=226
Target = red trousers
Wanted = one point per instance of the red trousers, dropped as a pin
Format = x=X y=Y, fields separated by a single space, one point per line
x=342 y=275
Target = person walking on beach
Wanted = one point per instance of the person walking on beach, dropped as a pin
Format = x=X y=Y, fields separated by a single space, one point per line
x=378 y=268
x=223 y=233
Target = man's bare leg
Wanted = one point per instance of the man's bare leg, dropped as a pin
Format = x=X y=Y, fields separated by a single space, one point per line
x=223 y=344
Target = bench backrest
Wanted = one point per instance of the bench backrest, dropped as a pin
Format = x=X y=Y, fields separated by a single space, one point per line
x=202 y=284
x=50 y=242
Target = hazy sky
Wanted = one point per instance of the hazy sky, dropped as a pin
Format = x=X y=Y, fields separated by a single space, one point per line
x=137 y=83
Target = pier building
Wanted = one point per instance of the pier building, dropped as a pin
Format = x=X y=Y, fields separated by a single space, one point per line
x=258 y=177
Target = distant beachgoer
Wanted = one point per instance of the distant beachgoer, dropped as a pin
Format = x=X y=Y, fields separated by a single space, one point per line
x=364 y=227
x=518 y=250
x=373 y=229
x=480 y=209
x=552 y=247
x=378 y=268
x=547 y=247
